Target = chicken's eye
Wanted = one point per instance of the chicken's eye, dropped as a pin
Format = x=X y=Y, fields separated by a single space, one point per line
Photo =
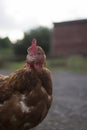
x=39 y=53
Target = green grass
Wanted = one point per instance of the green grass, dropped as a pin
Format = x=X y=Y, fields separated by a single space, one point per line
x=16 y=65
x=73 y=63
x=6 y=52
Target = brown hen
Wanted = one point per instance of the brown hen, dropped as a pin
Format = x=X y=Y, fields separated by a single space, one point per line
x=26 y=95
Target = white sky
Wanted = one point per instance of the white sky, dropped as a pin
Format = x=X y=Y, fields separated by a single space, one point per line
x=17 y=16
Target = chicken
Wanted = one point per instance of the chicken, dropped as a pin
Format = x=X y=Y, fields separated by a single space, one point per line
x=26 y=95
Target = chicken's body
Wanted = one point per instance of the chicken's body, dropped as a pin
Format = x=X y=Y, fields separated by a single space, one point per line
x=25 y=98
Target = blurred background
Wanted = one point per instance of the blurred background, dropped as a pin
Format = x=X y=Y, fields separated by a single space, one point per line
x=60 y=28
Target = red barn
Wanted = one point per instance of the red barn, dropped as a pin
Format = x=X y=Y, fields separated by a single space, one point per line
x=69 y=38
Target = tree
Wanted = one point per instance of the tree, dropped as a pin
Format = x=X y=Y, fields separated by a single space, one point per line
x=42 y=35
x=5 y=42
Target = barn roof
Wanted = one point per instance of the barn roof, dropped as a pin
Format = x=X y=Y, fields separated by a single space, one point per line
x=81 y=21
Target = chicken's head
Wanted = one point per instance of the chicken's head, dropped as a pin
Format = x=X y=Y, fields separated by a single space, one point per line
x=36 y=57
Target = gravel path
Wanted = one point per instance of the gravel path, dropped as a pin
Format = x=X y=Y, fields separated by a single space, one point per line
x=69 y=107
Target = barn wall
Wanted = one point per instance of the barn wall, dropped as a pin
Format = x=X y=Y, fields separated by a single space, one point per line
x=69 y=38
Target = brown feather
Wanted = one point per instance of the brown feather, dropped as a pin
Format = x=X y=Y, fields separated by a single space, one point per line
x=25 y=98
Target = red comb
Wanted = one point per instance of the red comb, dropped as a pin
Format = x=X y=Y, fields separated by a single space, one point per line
x=33 y=46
